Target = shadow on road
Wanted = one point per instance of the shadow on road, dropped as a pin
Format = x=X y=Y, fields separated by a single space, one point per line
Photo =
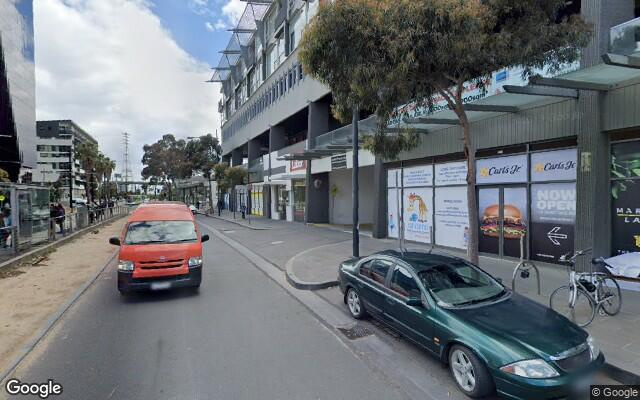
x=159 y=295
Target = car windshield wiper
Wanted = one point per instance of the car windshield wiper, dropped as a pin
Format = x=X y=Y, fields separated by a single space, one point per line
x=149 y=242
x=476 y=301
x=182 y=240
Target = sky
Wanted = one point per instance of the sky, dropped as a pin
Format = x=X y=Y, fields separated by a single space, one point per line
x=136 y=66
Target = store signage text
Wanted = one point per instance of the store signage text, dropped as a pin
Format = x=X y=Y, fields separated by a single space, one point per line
x=560 y=200
x=630 y=215
x=510 y=170
x=339 y=161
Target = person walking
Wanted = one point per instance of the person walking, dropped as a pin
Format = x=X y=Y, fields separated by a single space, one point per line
x=61 y=217
x=53 y=217
x=220 y=205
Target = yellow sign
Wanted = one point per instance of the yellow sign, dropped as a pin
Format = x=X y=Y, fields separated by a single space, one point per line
x=2 y=197
x=484 y=172
x=539 y=167
x=637 y=238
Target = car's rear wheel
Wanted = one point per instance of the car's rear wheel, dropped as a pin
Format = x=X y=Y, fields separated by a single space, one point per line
x=354 y=302
x=470 y=373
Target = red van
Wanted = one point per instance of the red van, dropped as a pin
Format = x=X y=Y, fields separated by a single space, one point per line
x=160 y=248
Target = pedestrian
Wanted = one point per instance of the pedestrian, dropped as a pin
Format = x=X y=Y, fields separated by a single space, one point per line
x=53 y=215
x=61 y=217
x=220 y=206
x=7 y=222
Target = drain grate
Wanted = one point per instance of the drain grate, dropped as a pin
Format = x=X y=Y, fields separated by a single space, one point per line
x=356 y=332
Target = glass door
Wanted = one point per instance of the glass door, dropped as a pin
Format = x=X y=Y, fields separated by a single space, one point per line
x=299 y=196
x=503 y=220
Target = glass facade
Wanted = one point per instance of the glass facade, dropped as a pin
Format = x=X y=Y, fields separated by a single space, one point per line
x=17 y=87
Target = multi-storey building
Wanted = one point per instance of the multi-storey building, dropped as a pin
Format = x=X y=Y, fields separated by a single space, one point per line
x=56 y=144
x=17 y=88
x=564 y=145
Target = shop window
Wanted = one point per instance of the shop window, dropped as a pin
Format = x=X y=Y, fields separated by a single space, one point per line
x=625 y=197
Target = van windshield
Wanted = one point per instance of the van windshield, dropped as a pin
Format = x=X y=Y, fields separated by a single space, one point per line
x=148 y=232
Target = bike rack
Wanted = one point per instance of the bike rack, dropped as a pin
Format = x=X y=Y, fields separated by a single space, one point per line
x=524 y=266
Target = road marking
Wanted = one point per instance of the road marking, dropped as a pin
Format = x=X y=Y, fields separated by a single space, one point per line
x=277 y=242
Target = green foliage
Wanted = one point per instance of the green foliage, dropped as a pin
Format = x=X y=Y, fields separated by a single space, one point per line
x=203 y=154
x=236 y=176
x=166 y=160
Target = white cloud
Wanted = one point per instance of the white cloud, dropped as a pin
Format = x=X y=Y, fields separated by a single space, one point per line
x=200 y=7
x=111 y=67
x=209 y=26
x=220 y=24
x=233 y=10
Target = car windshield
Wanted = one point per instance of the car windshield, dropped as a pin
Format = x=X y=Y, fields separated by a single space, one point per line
x=459 y=283
x=148 y=232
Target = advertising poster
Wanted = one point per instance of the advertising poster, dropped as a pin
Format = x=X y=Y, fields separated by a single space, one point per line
x=558 y=165
x=451 y=217
x=625 y=197
x=418 y=214
x=392 y=213
x=553 y=217
x=418 y=176
x=509 y=169
x=454 y=173
x=489 y=213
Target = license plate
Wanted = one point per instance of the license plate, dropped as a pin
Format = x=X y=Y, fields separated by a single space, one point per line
x=160 y=285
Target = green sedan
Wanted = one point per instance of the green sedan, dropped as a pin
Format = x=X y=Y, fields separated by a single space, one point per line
x=491 y=338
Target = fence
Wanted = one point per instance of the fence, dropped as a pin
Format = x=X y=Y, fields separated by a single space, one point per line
x=56 y=227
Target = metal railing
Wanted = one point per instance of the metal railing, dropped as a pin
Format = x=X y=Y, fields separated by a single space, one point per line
x=12 y=243
x=624 y=39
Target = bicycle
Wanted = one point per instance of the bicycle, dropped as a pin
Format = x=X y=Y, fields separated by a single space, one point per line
x=586 y=293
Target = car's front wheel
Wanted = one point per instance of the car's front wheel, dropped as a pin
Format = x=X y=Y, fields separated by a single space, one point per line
x=354 y=302
x=470 y=373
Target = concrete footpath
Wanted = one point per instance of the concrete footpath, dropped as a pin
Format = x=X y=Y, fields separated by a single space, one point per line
x=309 y=255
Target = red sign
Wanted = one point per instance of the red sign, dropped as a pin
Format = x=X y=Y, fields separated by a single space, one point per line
x=297 y=165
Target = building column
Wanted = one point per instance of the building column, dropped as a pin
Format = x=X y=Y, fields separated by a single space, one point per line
x=593 y=204
x=317 y=190
x=254 y=149
x=379 y=200
x=236 y=157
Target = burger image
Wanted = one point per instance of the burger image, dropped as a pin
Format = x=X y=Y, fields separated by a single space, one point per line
x=513 y=225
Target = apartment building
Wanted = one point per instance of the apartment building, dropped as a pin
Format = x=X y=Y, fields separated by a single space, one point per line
x=56 y=143
x=549 y=149
x=17 y=88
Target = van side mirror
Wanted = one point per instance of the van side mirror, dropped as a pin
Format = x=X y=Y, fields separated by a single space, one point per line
x=114 y=241
x=414 y=302
x=204 y=238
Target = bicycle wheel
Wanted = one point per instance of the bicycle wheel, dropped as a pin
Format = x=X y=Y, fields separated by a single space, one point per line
x=581 y=312
x=609 y=295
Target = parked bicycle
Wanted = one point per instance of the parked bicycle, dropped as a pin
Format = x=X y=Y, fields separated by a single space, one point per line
x=587 y=292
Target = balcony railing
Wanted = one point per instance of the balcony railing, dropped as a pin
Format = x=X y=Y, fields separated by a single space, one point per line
x=624 y=39
x=256 y=170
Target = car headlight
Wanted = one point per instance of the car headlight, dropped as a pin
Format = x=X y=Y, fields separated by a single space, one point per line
x=125 y=265
x=195 y=261
x=536 y=369
x=593 y=347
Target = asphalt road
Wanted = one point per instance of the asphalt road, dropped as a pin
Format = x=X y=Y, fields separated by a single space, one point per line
x=241 y=337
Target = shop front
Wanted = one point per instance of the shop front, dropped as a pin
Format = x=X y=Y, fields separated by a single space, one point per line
x=526 y=203
x=256 y=192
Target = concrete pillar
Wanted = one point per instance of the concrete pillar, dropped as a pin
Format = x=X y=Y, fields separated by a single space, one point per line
x=318 y=121
x=254 y=149
x=236 y=157
x=227 y=159
x=317 y=201
x=593 y=204
x=379 y=200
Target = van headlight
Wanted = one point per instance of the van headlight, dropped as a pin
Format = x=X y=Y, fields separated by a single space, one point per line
x=125 y=265
x=537 y=369
x=195 y=262
x=593 y=347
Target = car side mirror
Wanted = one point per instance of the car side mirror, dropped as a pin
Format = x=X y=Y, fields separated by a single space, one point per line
x=204 y=238
x=114 y=241
x=499 y=280
x=414 y=302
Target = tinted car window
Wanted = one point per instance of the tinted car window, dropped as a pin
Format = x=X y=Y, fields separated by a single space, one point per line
x=365 y=269
x=379 y=270
x=403 y=283
x=149 y=232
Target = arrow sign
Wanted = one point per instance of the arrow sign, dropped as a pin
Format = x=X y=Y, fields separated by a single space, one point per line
x=553 y=235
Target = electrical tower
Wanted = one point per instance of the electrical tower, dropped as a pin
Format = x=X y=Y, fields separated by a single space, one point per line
x=126 y=169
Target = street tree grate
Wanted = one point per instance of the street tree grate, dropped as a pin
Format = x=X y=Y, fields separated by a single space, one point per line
x=356 y=332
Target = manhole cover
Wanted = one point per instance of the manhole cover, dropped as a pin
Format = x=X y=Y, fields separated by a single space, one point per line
x=356 y=332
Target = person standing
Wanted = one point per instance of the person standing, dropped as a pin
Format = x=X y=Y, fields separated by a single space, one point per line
x=61 y=217
x=53 y=217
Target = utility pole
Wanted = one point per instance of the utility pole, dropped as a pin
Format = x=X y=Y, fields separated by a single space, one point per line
x=126 y=169
x=355 y=171
x=71 y=167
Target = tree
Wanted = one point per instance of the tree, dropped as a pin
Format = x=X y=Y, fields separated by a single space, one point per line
x=204 y=153
x=436 y=48
x=219 y=175
x=166 y=160
x=344 y=48
x=87 y=153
